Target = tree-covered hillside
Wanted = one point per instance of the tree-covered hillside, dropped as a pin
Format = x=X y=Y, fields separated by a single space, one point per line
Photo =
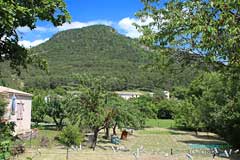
x=100 y=51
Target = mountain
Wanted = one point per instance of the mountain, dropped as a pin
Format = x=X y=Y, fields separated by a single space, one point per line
x=99 y=51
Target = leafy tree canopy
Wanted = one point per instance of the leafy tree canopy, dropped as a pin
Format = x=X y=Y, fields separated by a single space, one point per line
x=209 y=28
x=71 y=135
x=26 y=13
x=2 y=106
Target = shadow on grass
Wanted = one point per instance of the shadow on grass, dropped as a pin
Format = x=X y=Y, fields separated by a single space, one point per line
x=202 y=142
x=208 y=137
x=235 y=157
x=104 y=141
x=102 y=147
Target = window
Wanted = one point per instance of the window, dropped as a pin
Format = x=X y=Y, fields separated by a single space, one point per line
x=20 y=110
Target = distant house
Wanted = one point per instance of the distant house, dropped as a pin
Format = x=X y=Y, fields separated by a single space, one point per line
x=167 y=94
x=18 y=109
x=128 y=95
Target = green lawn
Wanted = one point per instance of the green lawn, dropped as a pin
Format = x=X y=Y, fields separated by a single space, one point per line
x=161 y=123
x=157 y=144
x=157 y=141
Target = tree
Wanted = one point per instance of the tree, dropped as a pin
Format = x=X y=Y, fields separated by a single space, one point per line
x=187 y=116
x=128 y=115
x=6 y=128
x=210 y=31
x=146 y=106
x=209 y=28
x=123 y=114
x=2 y=107
x=57 y=108
x=39 y=107
x=26 y=13
x=94 y=115
x=165 y=108
x=69 y=136
x=208 y=106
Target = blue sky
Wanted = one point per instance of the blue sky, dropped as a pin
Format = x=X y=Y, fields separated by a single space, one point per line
x=116 y=13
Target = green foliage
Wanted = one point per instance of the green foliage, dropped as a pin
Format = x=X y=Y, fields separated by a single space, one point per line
x=188 y=117
x=93 y=104
x=208 y=106
x=2 y=106
x=210 y=28
x=92 y=108
x=165 y=108
x=39 y=109
x=127 y=114
x=57 y=108
x=26 y=13
x=71 y=135
x=146 y=106
x=98 y=51
x=5 y=150
x=6 y=128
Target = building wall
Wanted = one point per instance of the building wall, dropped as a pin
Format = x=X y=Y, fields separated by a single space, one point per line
x=22 y=125
x=128 y=96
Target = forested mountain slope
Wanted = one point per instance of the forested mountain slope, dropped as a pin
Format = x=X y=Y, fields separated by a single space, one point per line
x=100 y=51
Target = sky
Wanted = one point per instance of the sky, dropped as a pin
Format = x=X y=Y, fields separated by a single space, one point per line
x=120 y=14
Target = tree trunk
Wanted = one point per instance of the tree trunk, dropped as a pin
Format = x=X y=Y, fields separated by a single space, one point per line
x=114 y=129
x=107 y=133
x=36 y=124
x=56 y=122
x=59 y=124
x=67 y=154
x=95 y=135
x=196 y=132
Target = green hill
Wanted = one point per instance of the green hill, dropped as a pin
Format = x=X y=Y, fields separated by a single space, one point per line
x=99 y=51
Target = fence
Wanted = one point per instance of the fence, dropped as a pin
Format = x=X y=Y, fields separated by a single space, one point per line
x=59 y=153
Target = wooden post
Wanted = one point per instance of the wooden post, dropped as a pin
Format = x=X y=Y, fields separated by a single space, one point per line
x=138 y=153
x=67 y=154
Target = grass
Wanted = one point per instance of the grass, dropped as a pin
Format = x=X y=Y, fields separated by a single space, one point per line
x=161 y=123
x=157 y=143
x=49 y=134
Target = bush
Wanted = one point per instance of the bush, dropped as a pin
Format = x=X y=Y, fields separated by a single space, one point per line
x=165 y=109
x=71 y=135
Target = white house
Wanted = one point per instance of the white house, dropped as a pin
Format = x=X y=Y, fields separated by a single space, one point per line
x=167 y=94
x=128 y=95
x=19 y=105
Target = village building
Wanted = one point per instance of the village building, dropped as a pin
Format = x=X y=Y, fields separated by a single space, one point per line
x=18 y=109
x=128 y=95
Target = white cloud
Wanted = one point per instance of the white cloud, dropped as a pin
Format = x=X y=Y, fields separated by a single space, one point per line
x=126 y=24
x=29 y=44
x=23 y=29
x=42 y=29
x=38 y=29
x=65 y=26
x=78 y=24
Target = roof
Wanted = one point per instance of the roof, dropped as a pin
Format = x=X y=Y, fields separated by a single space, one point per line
x=10 y=90
x=132 y=93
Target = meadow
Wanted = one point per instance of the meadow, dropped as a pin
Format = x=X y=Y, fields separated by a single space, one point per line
x=160 y=143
